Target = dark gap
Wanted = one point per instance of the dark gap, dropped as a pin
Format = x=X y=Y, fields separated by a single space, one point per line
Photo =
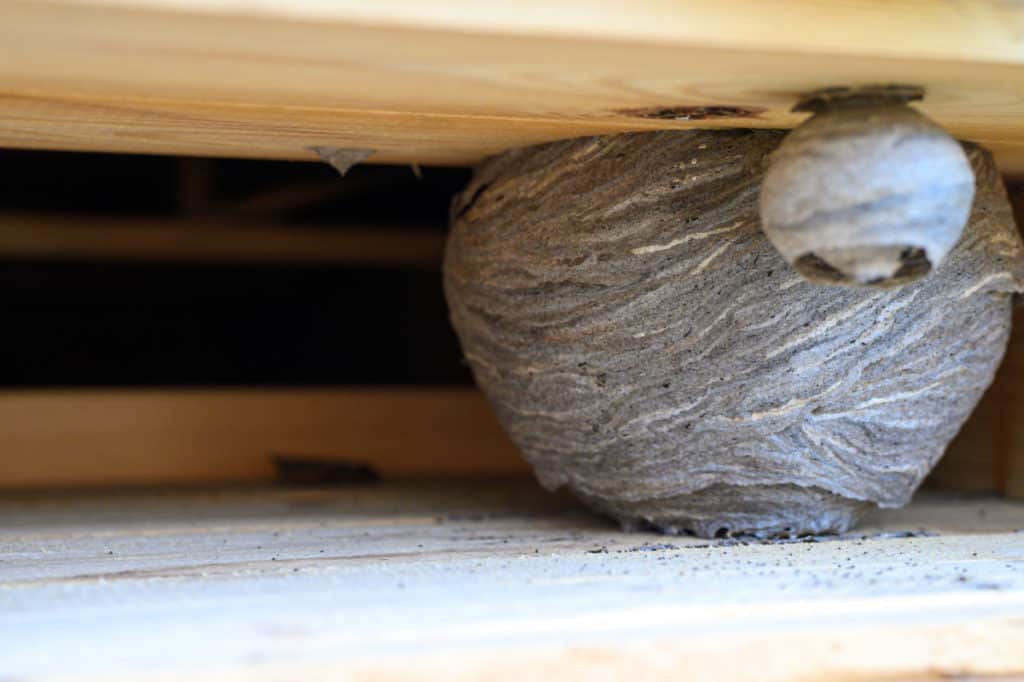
x=105 y=322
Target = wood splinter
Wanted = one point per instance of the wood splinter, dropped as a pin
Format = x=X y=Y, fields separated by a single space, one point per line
x=646 y=346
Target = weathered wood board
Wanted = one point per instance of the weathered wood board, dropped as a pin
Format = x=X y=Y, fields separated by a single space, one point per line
x=53 y=438
x=103 y=438
x=148 y=239
x=451 y=83
x=491 y=581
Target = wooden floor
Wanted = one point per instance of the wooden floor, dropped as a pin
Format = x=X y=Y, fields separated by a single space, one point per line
x=452 y=82
x=491 y=580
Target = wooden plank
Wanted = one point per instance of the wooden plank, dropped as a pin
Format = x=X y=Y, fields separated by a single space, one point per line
x=978 y=30
x=124 y=437
x=90 y=437
x=155 y=239
x=213 y=128
x=492 y=580
x=452 y=84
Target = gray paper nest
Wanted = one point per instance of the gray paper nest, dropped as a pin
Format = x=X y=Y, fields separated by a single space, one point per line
x=644 y=344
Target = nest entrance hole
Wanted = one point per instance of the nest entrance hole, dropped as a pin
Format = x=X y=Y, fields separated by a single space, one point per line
x=880 y=266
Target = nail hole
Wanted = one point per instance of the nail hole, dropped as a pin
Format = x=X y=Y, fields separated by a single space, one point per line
x=691 y=113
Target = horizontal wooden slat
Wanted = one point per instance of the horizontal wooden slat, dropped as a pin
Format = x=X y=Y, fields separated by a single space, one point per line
x=89 y=437
x=153 y=239
x=452 y=83
x=979 y=30
x=217 y=128
x=492 y=580
x=109 y=437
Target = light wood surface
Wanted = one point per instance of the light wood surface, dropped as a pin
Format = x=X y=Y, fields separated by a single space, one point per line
x=496 y=581
x=449 y=83
x=153 y=239
x=110 y=437
x=103 y=438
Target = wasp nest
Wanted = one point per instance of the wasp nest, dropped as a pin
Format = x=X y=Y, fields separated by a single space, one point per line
x=867 y=191
x=645 y=345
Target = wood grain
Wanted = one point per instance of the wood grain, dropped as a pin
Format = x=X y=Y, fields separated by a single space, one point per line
x=491 y=580
x=451 y=84
x=108 y=438
x=104 y=438
x=153 y=239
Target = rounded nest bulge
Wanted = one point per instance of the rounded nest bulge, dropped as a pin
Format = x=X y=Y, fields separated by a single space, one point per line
x=645 y=345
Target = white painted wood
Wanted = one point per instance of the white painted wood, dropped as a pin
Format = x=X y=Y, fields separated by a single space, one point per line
x=486 y=580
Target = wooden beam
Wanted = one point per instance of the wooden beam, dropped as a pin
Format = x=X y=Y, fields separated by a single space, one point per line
x=492 y=580
x=980 y=30
x=453 y=83
x=110 y=437
x=154 y=239
x=91 y=437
